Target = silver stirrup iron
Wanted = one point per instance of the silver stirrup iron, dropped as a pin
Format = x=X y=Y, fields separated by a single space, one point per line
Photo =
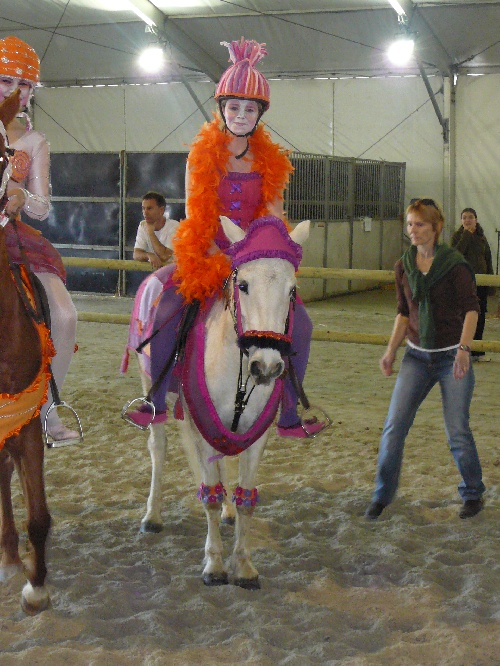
x=52 y=443
x=313 y=414
x=126 y=409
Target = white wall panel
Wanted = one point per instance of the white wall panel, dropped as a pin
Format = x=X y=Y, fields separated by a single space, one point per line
x=391 y=119
x=478 y=152
x=383 y=119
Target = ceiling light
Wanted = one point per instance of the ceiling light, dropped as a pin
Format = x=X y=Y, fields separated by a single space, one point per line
x=397 y=7
x=152 y=59
x=400 y=51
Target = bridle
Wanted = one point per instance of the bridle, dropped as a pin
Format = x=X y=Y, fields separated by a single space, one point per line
x=281 y=342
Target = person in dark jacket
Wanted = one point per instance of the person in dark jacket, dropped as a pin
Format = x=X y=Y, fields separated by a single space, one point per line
x=470 y=240
x=437 y=314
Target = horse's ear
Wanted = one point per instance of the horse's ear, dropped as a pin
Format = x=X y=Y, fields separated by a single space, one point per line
x=301 y=232
x=10 y=108
x=233 y=232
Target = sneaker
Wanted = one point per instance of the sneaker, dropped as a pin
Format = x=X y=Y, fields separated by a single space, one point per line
x=470 y=508
x=142 y=417
x=302 y=431
x=374 y=510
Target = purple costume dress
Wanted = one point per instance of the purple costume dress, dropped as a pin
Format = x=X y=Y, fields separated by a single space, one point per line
x=240 y=195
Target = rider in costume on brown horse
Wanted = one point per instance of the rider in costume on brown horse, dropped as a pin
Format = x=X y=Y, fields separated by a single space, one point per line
x=29 y=194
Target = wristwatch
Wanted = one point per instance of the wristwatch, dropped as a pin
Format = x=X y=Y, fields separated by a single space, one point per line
x=465 y=348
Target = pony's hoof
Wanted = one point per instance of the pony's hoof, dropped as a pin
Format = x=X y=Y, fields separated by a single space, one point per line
x=247 y=583
x=34 y=600
x=230 y=520
x=148 y=527
x=212 y=579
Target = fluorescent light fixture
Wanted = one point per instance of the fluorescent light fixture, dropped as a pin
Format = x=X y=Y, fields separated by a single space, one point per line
x=144 y=17
x=400 y=51
x=152 y=59
x=397 y=7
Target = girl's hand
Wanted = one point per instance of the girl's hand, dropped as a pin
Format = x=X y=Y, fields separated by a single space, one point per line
x=15 y=201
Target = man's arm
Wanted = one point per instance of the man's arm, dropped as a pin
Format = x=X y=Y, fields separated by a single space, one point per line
x=163 y=253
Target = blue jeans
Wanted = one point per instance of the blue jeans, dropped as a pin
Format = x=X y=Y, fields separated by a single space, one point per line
x=419 y=372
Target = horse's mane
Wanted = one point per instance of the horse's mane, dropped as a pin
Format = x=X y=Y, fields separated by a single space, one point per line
x=10 y=108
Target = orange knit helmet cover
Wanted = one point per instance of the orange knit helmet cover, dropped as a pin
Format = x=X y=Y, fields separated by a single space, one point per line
x=19 y=60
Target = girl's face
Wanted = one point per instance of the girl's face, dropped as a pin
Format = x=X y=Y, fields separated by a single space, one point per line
x=469 y=221
x=420 y=231
x=9 y=84
x=241 y=115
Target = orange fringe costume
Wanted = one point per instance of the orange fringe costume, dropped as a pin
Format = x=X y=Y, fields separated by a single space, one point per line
x=199 y=275
x=16 y=410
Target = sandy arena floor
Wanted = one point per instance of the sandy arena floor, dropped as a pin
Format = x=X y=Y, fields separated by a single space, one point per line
x=418 y=587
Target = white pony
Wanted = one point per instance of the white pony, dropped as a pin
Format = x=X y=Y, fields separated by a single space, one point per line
x=231 y=386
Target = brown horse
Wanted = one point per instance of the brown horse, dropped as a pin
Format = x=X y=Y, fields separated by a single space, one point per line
x=22 y=366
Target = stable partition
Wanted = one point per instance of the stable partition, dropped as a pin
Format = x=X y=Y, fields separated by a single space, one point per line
x=355 y=207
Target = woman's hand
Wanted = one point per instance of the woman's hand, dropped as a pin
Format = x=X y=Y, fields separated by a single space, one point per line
x=462 y=364
x=15 y=201
x=386 y=363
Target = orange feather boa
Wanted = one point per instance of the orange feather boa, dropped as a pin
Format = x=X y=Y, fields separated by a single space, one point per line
x=200 y=275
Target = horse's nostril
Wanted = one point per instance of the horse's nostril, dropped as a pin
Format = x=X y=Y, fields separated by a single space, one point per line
x=263 y=373
x=255 y=370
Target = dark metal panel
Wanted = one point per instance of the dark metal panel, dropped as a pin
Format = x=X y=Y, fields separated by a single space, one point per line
x=101 y=281
x=163 y=172
x=85 y=174
x=81 y=223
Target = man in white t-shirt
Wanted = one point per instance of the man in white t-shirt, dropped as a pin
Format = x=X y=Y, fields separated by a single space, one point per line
x=155 y=233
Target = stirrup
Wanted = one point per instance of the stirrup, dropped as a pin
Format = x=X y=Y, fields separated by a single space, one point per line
x=314 y=414
x=143 y=402
x=52 y=443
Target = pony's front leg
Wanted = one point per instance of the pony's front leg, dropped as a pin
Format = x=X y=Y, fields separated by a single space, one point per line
x=157 y=445
x=10 y=562
x=212 y=494
x=246 y=497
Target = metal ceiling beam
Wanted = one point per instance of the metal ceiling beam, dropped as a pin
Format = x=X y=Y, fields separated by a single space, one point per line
x=169 y=31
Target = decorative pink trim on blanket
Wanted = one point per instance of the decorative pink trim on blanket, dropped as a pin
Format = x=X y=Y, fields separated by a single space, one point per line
x=203 y=410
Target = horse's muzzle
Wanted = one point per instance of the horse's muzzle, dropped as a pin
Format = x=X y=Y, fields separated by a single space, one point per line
x=264 y=373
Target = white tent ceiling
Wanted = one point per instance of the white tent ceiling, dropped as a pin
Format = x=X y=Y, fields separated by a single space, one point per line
x=98 y=41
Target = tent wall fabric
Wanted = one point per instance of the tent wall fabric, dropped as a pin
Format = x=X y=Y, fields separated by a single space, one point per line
x=388 y=119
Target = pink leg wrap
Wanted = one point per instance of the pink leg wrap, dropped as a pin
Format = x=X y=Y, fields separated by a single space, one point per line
x=211 y=494
x=245 y=496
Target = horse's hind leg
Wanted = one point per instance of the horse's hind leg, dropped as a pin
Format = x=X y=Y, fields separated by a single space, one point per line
x=29 y=463
x=10 y=562
x=245 y=574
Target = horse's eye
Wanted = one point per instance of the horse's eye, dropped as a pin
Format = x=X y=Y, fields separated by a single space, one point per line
x=293 y=293
x=243 y=286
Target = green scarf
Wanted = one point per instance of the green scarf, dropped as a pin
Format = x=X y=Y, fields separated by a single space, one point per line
x=445 y=258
